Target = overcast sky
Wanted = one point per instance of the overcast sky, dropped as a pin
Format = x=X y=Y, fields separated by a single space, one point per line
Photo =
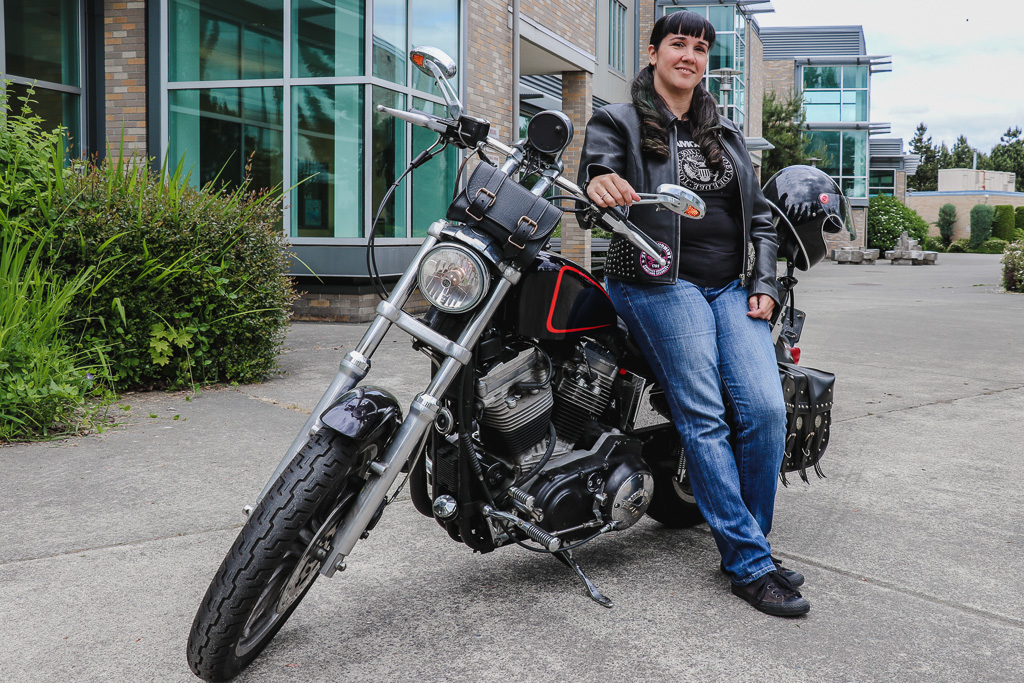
x=956 y=66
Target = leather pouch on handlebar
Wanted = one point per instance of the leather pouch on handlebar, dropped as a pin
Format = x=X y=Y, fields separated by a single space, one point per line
x=808 y=393
x=520 y=220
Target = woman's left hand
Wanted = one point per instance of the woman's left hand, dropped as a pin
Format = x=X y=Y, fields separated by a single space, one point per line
x=761 y=306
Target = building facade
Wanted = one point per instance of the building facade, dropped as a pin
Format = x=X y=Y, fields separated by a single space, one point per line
x=285 y=91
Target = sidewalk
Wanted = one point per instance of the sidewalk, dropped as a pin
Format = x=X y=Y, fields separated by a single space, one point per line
x=913 y=547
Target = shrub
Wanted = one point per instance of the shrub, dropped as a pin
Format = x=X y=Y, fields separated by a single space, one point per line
x=1003 y=223
x=933 y=244
x=959 y=247
x=1013 y=267
x=1018 y=218
x=981 y=224
x=946 y=223
x=993 y=245
x=887 y=218
x=195 y=289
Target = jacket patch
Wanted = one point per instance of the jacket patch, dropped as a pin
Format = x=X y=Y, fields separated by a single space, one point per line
x=650 y=267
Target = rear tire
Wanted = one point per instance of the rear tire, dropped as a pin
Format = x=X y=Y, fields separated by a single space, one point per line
x=276 y=557
x=673 y=503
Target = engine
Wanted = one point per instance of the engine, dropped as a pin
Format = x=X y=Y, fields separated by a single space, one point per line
x=595 y=475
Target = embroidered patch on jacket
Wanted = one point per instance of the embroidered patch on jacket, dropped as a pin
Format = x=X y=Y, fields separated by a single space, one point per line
x=652 y=268
x=694 y=172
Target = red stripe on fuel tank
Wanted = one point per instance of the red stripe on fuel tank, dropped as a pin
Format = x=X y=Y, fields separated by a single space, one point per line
x=554 y=299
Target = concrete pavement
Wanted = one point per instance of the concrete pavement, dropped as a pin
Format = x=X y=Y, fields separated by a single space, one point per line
x=913 y=547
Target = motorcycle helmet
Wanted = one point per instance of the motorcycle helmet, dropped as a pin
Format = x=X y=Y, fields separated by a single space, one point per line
x=809 y=204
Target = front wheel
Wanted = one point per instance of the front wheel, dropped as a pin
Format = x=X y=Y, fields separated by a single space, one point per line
x=276 y=557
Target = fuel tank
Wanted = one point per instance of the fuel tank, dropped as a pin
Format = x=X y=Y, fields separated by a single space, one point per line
x=557 y=300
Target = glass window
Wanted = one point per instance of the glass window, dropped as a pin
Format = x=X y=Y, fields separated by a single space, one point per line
x=435 y=23
x=855 y=76
x=821 y=77
x=434 y=182
x=328 y=38
x=617 y=35
x=855 y=153
x=389 y=160
x=855 y=105
x=225 y=132
x=328 y=161
x=216 y=41
x=41 y=40
x=843 y=155
x=389 y=28
x=824 y=145
x=721 y=17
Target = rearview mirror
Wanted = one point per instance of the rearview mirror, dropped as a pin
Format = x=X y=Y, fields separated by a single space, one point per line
x=437 y=64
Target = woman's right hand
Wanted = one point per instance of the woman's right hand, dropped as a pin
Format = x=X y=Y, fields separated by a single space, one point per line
x=610 y=189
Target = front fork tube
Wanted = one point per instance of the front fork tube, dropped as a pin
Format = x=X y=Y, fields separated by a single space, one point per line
x=356 y=363
x=411 y=434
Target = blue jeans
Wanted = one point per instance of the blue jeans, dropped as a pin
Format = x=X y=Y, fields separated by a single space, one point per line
x=700 y=343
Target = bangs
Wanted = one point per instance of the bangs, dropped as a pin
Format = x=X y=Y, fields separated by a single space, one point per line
x=685 y=23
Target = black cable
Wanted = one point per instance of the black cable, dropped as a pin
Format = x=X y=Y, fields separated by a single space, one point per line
x=535 y=470
x=547 y=380
x=371 y=254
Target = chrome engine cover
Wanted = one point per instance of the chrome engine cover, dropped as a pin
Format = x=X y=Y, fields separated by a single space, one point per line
x=631 y=494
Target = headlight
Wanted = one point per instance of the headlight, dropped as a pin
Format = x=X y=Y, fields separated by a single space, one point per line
x=453 y=278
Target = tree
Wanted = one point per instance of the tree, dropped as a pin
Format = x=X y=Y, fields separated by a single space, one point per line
x=962 y=156
x=981 y=224
x=926 y=178
x=946 y=223
x=1008 y=155
x=782 y=120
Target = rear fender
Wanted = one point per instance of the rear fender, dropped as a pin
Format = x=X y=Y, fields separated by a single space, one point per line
x=364 y=414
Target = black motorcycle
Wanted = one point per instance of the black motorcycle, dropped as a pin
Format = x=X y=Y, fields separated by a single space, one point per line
x=542 y=425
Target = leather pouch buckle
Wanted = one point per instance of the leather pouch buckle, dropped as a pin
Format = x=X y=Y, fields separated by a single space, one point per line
x=476 y=196
x=519 y=225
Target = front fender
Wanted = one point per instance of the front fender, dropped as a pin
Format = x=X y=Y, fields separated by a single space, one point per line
x=364 y=414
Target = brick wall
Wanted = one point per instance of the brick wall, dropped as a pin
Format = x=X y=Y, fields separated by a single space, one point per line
x=928 y=205
x=574 y=20
x=355 y=305
x=779 y=76
x=124 y=48
x=489 y=65
x=577 y=103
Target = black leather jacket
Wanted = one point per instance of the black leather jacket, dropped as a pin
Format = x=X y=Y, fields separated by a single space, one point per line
x=612 y=144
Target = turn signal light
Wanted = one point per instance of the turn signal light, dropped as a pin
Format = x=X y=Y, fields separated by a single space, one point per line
x=692 y=212
x=417 y=59
x=795 y=351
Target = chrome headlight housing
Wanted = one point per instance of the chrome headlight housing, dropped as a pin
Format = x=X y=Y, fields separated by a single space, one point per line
x=453 y=278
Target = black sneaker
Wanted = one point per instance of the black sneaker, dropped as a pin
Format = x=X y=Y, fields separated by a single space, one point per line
x=773 y=594
x=794 y=577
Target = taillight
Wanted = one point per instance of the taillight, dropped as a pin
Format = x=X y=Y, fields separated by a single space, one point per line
x=795 y=352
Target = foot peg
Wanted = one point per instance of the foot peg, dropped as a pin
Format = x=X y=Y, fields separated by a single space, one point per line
x=566 y=558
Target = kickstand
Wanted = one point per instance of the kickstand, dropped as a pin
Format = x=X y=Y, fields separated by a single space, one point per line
x=566 y=558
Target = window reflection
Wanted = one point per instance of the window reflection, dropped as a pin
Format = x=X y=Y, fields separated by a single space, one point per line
x=41 y=40
x=225 y=133
x=328 y=151
x=389 y=24
x=213 y=41
x=388 y=162
x=328 y=38
x=432 y=183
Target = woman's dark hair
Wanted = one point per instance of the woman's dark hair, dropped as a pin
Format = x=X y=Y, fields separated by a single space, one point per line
x=654 y=113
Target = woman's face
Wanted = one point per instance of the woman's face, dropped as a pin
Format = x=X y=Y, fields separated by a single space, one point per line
x=679 y=63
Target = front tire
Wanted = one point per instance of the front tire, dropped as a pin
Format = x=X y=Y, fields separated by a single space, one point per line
x=276 y=557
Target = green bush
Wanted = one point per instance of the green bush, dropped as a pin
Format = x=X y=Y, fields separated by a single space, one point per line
x=933 y=244
x=1003 y=224
x=946 y=223
x=887 y=218
x=959 y=247
x=982 y=216
x=1018 y=218
x=993 y=245
x=1013 y=267
x=196 y=290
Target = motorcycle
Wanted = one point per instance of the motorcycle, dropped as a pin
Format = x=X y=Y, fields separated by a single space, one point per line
x=542 y=425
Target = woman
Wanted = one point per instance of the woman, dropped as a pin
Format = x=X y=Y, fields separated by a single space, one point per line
x=701 y=319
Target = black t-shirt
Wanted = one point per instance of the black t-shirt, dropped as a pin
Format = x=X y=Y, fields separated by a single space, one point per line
x=710 y=249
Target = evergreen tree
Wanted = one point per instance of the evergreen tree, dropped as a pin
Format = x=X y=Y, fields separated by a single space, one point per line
x=1008 y=155
x=782 y=125
x=927 y=176
x=962 y=156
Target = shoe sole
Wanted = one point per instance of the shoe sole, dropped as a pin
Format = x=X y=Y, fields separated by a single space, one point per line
x=795 y=610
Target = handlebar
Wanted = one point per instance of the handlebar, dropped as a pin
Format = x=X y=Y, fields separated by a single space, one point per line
x=614 y=219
